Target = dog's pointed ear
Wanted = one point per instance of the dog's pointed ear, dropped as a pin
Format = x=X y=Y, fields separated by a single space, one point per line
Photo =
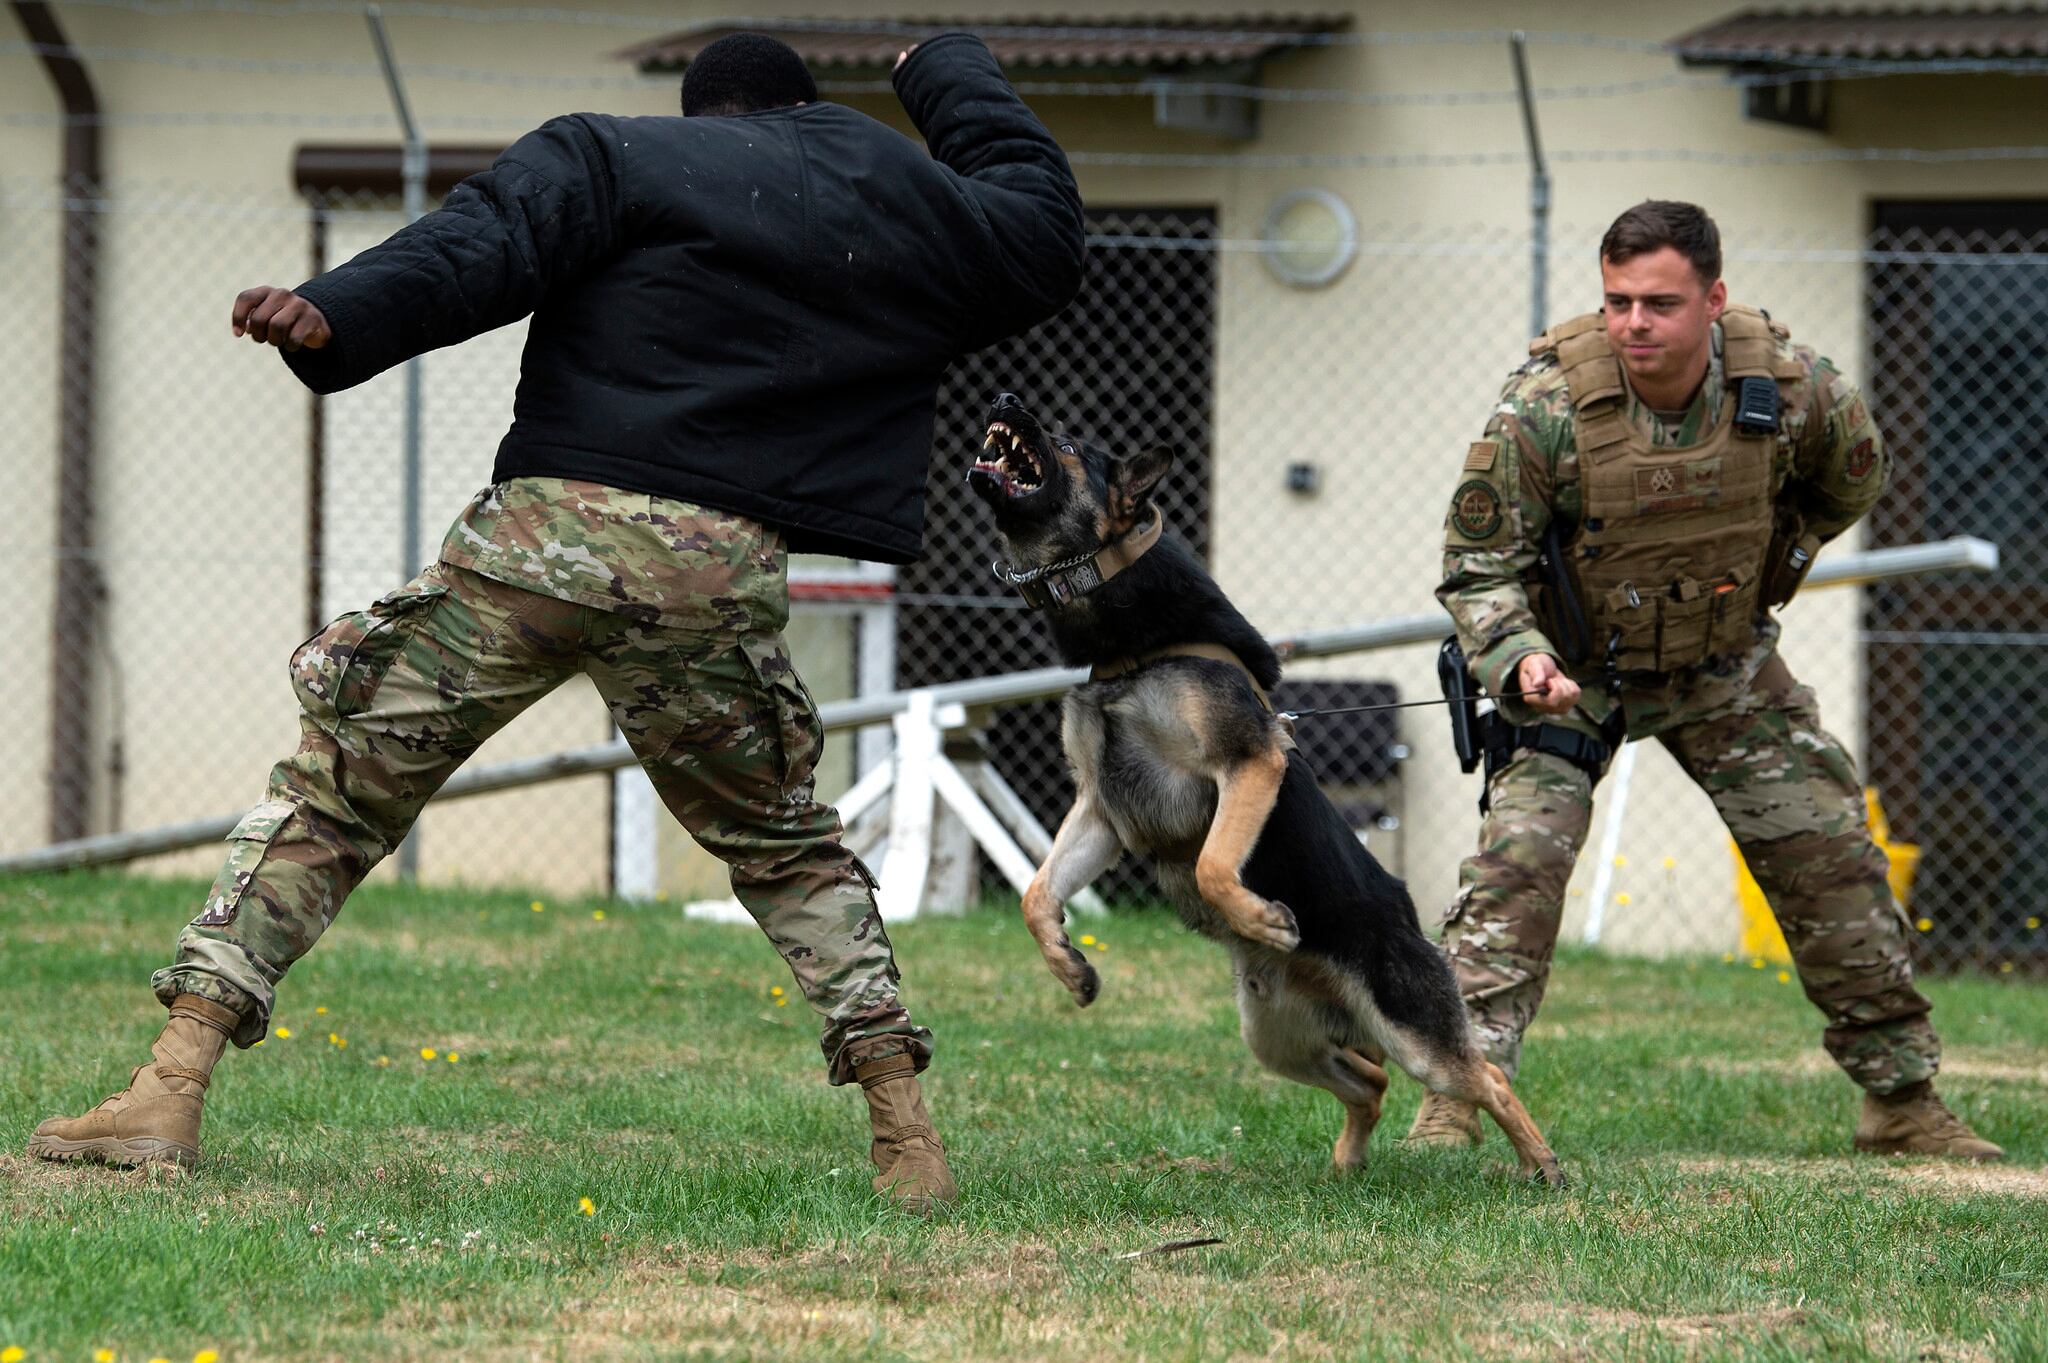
x=1131 y=480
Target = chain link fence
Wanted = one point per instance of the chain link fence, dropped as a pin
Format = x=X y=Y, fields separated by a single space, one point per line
x=1318 y=434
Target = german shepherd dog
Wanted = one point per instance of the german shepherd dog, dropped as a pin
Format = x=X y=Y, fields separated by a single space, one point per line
x=1178 y=756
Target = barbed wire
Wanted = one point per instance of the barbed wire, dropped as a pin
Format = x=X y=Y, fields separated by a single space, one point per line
x=363 y=70
x=1674 y=80
x=1813 y=64
x=264 y=119
x=878 y=27
x=1443 y=160
x=539 y=80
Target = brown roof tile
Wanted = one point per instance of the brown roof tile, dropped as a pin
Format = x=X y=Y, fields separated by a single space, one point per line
x=1806 y=35
x=1019 y=43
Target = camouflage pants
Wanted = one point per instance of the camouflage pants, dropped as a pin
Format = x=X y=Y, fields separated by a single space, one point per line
x=1789 y=796
x=393 y=699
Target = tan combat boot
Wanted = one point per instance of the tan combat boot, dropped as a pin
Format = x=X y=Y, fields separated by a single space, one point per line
x=156 y=1118
x=1445 y=1122
x=1914 y=1121
x=908 y=1152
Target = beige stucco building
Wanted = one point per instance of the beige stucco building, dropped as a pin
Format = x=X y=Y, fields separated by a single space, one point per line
x=202 y=495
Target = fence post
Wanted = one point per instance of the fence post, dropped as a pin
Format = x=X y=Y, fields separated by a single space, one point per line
x=413 y=175
x=1539 y=195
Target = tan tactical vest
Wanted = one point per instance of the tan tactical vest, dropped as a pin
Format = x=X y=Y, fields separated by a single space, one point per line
x=1670 y=545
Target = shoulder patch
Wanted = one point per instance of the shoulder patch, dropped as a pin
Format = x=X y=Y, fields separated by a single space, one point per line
x=1480 y=457
x=1861 y=459
x=1476 y=510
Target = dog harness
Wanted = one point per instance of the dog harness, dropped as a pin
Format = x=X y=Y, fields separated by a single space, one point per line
x=1117 y=667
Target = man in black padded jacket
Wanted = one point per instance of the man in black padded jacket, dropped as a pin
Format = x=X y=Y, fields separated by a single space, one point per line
x=740 y=318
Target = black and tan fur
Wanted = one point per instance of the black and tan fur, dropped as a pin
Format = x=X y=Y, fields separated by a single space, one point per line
x=1181 y=761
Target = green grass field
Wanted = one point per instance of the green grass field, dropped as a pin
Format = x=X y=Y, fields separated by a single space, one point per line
x=362 y=1202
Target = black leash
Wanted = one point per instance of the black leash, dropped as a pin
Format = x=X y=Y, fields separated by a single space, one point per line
x=1391 y=705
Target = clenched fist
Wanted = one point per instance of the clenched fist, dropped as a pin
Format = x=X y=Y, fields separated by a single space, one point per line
x=269 y=315
x=1546 y=686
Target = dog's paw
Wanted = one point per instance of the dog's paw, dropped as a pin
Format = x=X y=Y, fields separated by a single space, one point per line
x=1071 y=969
x=1548 y=1172
x=1275 y=927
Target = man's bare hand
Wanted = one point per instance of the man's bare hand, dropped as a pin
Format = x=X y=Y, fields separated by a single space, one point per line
x=904 y=55
x=269 y=315
x=1552 y=691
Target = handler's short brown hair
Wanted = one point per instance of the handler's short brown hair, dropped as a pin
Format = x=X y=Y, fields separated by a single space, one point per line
x=1654 y=224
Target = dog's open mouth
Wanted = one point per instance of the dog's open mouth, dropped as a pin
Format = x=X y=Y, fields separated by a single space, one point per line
x=1006 y=457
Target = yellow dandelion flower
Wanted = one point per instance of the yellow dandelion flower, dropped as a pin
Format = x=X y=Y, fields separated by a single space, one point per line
x=597 y=915
x=1087 y=941
x=538 y=906
x=428 y=1052
x=782 y=1003
x=454 y=1057
x=334 y=1038
x=2005 y=967
x=1756 y=963
x=1925 y=925
x=1621 y=859
x=1727 y=958
x=2033 y=922
x=383 y=1062
x=1622 y=898
x=13 y=1353
x=1784 y=977
x=1670 y=862
x=322 y=1009
x=342 y=1042
x=1102 y=946
x=586 y=1206
x=775 y=992
x=102 y=1356
x=259 y=1043
x=206 y=1356
x=284 y=1033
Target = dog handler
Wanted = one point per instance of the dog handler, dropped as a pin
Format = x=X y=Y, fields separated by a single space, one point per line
x=1654 y=477
x=739 y=320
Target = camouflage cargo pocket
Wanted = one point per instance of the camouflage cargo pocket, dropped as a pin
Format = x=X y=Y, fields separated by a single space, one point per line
x=800 y=737
x=338 y=670
x=248 y=842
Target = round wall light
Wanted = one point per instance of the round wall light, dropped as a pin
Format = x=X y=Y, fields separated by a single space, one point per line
x=1309 y=236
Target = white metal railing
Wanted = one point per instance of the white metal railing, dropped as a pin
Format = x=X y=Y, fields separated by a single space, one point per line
x=1965 y=553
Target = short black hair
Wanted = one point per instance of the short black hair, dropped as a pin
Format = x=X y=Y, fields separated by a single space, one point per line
x=1654 y=224
x=742 y=73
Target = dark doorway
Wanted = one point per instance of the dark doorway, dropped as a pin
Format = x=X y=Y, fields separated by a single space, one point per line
x=1958 y=711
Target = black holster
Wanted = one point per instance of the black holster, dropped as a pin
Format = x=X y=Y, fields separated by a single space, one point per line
x=1788 y=559
x=1462 y=695
x=1483 y=736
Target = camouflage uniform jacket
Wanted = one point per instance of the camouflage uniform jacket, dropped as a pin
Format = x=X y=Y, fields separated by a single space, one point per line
x=1831 y=464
